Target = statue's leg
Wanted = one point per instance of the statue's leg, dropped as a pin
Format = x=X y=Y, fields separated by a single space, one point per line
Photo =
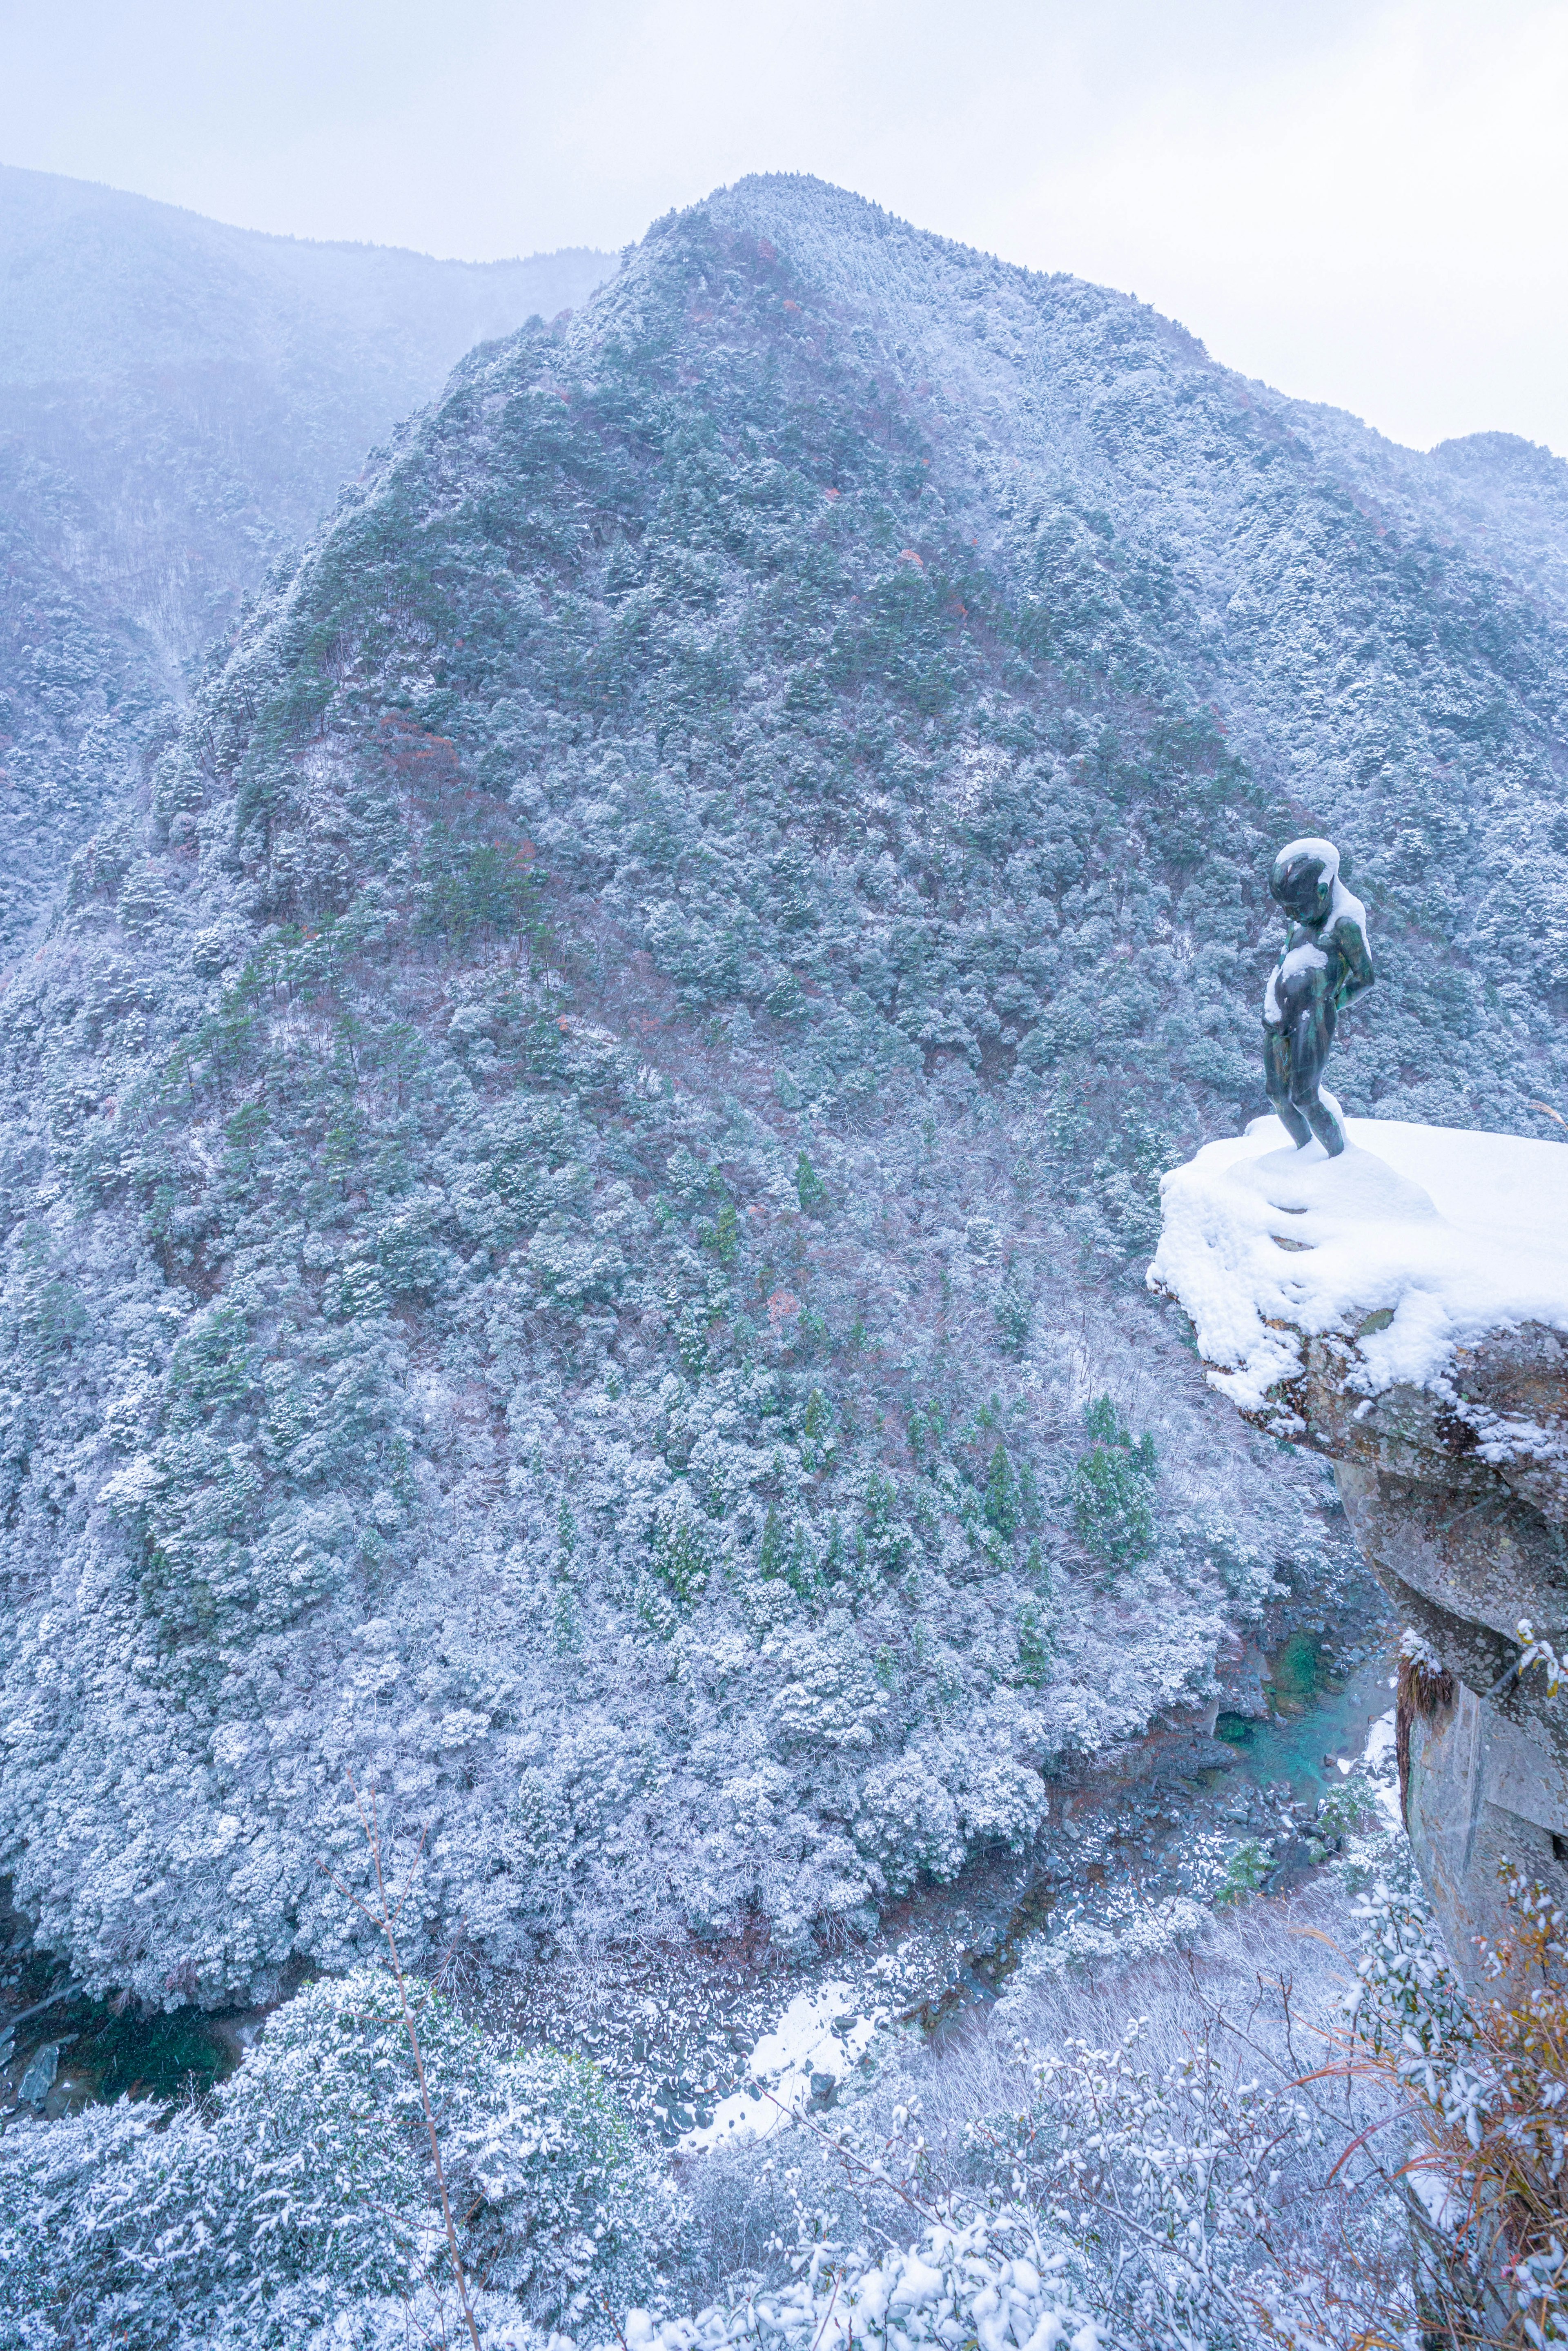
x=1277 y=1079
x=1312 y=1034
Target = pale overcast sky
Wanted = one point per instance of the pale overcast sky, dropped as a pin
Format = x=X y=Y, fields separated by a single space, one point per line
x=1364 y=203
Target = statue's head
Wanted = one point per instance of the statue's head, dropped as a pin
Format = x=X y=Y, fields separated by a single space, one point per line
x=1303 y=878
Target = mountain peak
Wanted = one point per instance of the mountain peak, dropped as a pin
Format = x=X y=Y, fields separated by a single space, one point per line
x=582 y=1148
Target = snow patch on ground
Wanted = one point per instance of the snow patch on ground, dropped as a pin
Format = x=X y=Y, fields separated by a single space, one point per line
x=1380 y=1763
x=1380 y=1742
x=820 y=2035
x=1447 y=1234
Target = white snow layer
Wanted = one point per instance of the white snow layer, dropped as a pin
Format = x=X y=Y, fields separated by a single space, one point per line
x=1452 y=1234
x=818 y=2034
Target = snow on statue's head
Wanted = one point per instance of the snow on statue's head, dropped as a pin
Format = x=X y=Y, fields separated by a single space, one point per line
x=1303 y=878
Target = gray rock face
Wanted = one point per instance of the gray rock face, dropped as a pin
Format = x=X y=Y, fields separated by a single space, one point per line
x=1465 y=1556
x=39 y=2078
x=1455 y=1477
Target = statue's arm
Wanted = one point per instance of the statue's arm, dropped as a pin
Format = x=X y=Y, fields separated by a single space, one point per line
x=1357 y=974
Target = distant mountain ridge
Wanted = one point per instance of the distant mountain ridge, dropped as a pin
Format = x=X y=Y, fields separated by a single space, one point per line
x=97 y=283
x=576 y=1164
x=180 y=403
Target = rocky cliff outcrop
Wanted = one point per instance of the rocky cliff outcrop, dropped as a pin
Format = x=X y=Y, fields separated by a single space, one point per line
x=1405 y=1311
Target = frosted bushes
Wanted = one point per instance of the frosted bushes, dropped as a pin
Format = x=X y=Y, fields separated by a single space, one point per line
x=1158 y=2130
x=563 y=2203
x=1169 y=2123
x=307 y=2190
x=1178 y=2181
x=987 y=2282
x=1137 y=2159
x=1487 y=2073
x=984 y=2285
x=62 y=2189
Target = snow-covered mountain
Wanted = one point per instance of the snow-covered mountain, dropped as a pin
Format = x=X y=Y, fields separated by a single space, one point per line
x=179 y=404
x=579 y=1153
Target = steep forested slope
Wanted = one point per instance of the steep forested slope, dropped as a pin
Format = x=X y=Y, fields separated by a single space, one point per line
x=573 y=1167
x=179 y=402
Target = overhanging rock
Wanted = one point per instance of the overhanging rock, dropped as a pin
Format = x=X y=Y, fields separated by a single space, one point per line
x=1404 y=1309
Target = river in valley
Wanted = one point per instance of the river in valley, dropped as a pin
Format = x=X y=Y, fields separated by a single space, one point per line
x=678 y=2030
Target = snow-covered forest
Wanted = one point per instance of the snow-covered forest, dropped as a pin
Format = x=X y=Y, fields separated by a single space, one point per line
x=179 y=403
x=580 y=1143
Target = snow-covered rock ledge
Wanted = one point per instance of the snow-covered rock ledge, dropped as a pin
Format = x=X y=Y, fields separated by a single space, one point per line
x=1403 y=1307
x=1410 y=1296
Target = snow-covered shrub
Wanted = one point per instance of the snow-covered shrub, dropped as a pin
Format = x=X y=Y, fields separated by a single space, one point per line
x=307 y=2186
x=1246 y=1871
x=1349 y=1810
x=988 y=2281
x=561 y=2201
x=1173 y=2185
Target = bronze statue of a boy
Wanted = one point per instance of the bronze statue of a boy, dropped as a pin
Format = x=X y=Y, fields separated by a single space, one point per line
x=1324 y=964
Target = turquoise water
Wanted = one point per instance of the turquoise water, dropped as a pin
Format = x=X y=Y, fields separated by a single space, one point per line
x=1292 y=1746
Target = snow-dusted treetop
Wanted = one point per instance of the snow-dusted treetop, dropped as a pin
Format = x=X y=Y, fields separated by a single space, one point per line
x=1419 y=1239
